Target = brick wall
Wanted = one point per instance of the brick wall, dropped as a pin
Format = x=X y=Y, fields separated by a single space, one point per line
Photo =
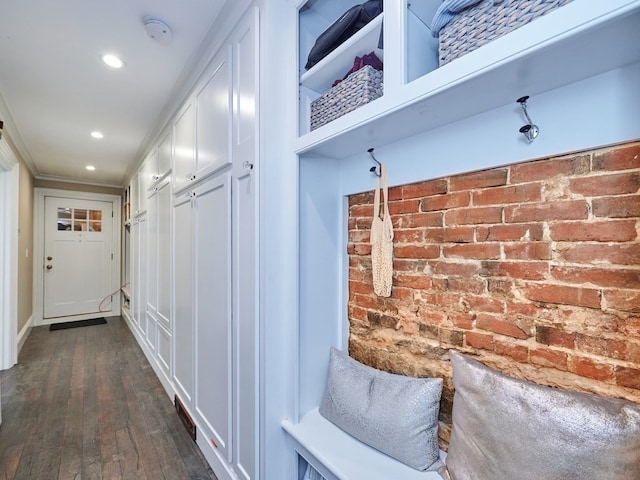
x=533 y=267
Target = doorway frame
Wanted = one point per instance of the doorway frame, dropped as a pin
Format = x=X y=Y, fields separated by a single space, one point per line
x=9 y=181
x=38 y=246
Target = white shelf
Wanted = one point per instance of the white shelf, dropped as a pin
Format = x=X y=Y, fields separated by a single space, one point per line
x=335 y=65
x=337 y=454
x=575 y=42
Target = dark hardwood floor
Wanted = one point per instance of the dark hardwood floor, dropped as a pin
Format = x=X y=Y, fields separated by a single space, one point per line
x=84 y=403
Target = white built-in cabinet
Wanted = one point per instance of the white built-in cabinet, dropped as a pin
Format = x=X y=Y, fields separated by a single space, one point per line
x=215 y=321
x=194 y=265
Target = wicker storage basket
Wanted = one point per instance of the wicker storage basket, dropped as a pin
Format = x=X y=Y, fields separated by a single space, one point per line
x=357 y=89
x=486 y=21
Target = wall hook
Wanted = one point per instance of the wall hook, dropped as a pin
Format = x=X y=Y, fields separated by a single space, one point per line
x=530 y=130
x=375 y=169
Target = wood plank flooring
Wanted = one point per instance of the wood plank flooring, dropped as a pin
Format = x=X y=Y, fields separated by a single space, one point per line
x=84 y=403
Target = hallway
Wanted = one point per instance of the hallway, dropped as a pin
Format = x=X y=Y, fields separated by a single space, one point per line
x=84 y=403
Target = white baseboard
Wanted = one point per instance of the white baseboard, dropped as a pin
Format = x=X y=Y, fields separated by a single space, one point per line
x=24 y=333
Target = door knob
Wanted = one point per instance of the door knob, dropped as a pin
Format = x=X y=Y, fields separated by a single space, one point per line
x=49 y=258
x=49 y=267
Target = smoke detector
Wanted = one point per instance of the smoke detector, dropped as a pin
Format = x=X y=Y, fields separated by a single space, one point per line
x=158 y=30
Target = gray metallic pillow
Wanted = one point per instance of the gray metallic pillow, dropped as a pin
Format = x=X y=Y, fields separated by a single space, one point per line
x=506 y=429
x=395 y=414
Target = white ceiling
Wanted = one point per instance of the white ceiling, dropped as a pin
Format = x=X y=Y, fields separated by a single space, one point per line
x=56 y=90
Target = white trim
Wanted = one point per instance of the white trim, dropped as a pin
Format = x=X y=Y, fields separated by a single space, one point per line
x=24 y=333
x=38 y=248
x=55 y=178
x=9 y=182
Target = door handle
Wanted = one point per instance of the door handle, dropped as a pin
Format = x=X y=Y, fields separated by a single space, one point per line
x=49 y=267
x=49 y=258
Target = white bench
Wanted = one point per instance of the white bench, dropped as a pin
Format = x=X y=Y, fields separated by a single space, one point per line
x=336 y=455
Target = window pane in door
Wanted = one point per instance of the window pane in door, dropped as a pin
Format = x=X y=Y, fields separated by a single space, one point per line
x=79 y=220
x=64 y=219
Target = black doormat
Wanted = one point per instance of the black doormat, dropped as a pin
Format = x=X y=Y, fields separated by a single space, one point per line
x=77 y=323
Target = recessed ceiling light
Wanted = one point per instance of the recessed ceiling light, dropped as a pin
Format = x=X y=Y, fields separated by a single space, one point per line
x=112 y=60
x=97 y=134
x=91 y=168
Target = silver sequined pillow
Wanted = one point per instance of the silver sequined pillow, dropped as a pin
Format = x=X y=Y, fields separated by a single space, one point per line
x=506 y=429
x=395 y=414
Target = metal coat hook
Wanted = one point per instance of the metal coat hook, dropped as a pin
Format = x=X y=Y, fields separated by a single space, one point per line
x=377 y=170
x=530 y=130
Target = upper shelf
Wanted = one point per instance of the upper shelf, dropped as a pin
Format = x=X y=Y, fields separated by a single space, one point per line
x=324 y=73
x=575 y=42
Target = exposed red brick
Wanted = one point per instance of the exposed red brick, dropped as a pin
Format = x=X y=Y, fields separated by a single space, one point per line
x=501 y=233
x=497 y=324
x=450 y=235
x=548 y=358
x=419 y=220
x=487 y=251
x=362 y=211
x=623 y=300
x=359 y=249
x=361 y=198
x=462 y=320
x=360 y=287
x=631 y=327
x=403 y=207
x=519 y=353
x=527 y=309
x=451 y=337
x=587 y=367
x=528 y=251
x=473 y=216
x=432 y=317
x=418 y=282
x=483 y=179
x=606 y=185
x=454 y=267
x=408 y=235
x=485 y=304
x=361 y=223
x=445 y=202
x=359 y=236
x=530 y=192
x=602 y=346
x=623 y=158
x=499 y=286
x=409 y=266
x=602 y=231
x=624 y=206
x=402 y=293
x=567 y=210
x=466 y=285
x=357 y=313
x=544 y=169
x=628 y=377
x=555 y=337
x=632 y=352
x=562 y=294
x=416 y=251
x=627 y=254
x=515 y=269
x=602 y=277
x=479 y=340
x=424 y=189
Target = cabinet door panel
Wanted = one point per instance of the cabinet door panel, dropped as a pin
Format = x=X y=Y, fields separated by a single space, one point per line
x=163 y=231
x=151 y=253
x=164 y=156
x=245 y=371
x=183 y=299
x=213 y=118
x=183 y=148
x=213 y=314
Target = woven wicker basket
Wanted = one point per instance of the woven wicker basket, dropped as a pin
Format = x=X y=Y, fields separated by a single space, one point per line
x=357 y=89
x=486 y=21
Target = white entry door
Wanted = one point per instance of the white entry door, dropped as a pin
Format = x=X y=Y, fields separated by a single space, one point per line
x=77 y=257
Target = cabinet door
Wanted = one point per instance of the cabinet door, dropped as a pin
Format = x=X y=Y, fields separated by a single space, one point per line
x=184 y=147
x=140 y=288
x=213 y=117
x=213 y=310
x=183 y=332
x=164 y=156
x=151 y=253
x=163 y=305
x=244 y=148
